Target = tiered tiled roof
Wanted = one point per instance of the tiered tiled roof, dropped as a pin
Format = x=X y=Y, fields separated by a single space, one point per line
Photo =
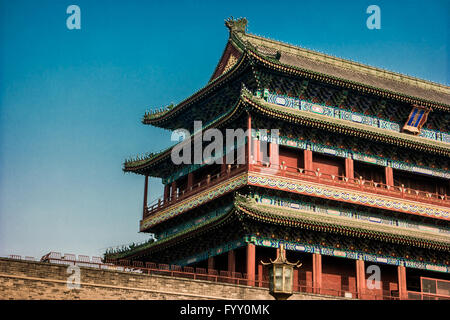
x=243 y=47
x=354 y=72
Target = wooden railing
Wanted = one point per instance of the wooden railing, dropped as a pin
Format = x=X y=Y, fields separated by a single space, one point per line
x=210 y=180
x=351 y=183
x=317 y=176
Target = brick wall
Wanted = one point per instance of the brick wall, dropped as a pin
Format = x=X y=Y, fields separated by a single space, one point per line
x=38 y=280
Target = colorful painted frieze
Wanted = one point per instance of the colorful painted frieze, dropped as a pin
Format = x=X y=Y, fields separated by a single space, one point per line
x=362 y=198
x=322 y=109
x=343 y=253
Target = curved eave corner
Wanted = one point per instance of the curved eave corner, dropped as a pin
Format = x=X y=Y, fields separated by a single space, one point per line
x=160 y=119
x=175 y=238
x=140 y=164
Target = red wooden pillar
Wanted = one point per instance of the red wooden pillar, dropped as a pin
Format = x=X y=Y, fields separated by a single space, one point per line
x=389 y=176
x=256 y=150
x=223 y=166
x=260 y=274
x=166 y=192
x=145 y=195
x=210 y=263
x=174 y=191
x=360 y=278
x=249 y=141
x=295 y=285
x=317 y=272
x=308 y=160
x=274 y=155
x=309 y=281
x=251 y=264
x=190 y=181
x=231 y=262
x=349 y=171
x=402 y=291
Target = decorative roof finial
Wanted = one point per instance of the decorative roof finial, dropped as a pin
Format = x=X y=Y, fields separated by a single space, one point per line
x=238 y=25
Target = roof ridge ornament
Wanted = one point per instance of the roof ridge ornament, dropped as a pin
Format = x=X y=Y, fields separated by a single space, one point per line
x=238 y=25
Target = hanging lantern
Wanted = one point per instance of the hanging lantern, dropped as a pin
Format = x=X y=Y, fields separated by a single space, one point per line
x=281 y=275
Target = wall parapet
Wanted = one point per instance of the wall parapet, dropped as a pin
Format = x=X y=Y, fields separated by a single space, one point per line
x=31 y=280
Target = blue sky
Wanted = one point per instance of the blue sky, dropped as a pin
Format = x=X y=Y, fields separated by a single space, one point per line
x=71 y=101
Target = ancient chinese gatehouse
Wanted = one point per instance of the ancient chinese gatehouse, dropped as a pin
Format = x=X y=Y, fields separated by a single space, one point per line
x=356 y=180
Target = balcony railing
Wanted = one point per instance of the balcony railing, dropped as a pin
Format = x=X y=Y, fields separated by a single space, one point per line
x=351 y=183
x=210 y=180
x=300 y=174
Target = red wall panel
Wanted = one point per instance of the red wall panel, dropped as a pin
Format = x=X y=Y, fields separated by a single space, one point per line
x=328 y=165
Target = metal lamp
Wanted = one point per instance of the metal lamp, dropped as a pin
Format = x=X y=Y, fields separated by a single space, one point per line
x=281 y=275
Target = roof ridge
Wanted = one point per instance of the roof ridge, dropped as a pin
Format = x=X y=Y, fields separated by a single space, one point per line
x=352 y=65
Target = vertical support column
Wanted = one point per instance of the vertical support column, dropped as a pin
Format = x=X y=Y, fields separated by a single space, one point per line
x=360 y=278
x=349 y=171
x=308 y=160
x=223 y=166
x=402 y=291
x=256 y=150
x=389 y=176
x=231 y=262
x=166 y=193
x=309 y=281
x=317 y=272
x=144 y=209
x=210 y=263
x=260 y=274
x=249 y=141
x=274 y=155
x=295 y=285
x=251 y=264
x=174 y=191
x=190 y=181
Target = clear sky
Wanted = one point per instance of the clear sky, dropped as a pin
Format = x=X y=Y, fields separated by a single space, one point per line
x=71 y=101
